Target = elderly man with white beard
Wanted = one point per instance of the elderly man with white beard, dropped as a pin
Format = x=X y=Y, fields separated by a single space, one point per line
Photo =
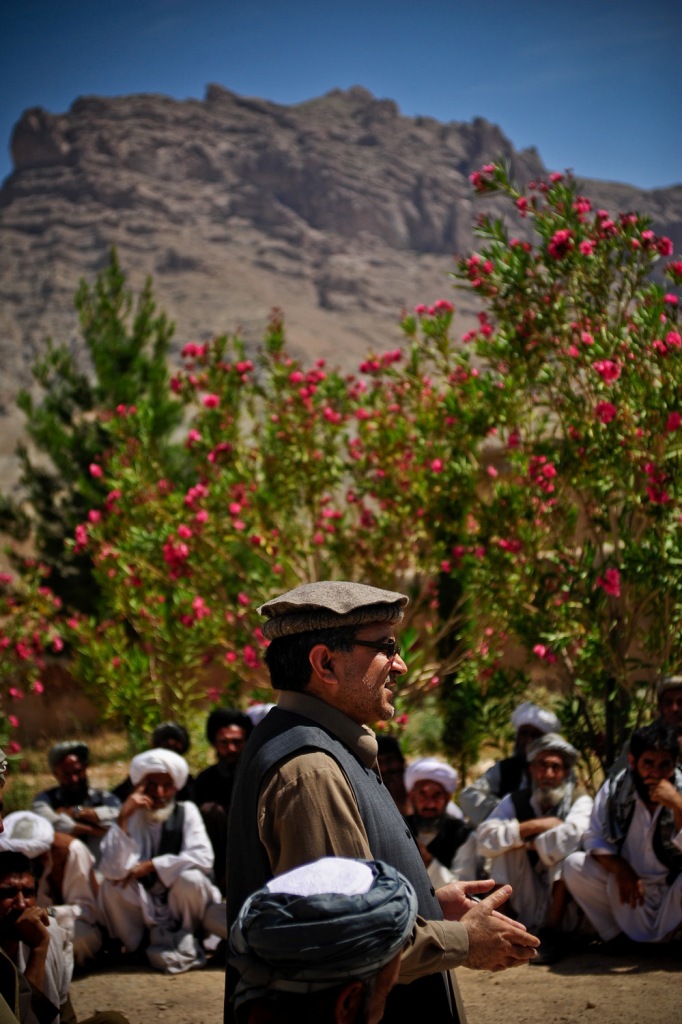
x=531 y=832
x=156 y=862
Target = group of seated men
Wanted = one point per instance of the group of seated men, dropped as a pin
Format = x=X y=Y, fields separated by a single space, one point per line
x=612 y=866
x=142 y=866
x=88 y=873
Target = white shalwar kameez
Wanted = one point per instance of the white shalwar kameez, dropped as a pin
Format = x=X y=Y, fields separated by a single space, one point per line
x=499 y=837
x=77 y=914
x=596 y=890
x=58 y=966
x=174 y=907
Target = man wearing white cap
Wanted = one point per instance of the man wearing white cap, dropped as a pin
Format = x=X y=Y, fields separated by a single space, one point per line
x=532 y=831
x=321 y=944
x=64 y=870
x=447 y=844
x=478 y=799
x=308 y=786
x=156 y=864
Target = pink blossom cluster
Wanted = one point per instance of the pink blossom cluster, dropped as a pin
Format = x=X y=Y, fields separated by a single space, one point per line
x=655 y=487
x=542 y=472
x=439 y=308
x=482 y=180
x=610 y=582
x=560 y=244
x=175 y=555
x=608 y=369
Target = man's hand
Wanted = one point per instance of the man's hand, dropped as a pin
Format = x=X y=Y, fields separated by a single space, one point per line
x=145 y=867
x=135 y=802
x=495 y=941
x=536 y=826
x=630 y=885
x=454 y=897
x=33 y=927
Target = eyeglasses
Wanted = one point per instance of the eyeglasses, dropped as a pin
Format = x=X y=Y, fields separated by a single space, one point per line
x=10 y=892
x=389 y=647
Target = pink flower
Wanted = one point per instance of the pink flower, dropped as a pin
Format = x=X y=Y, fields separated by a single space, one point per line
x=250 y=656
x=610 y=582
x=674 y=339
x=664 y=246
x=587 y=247
x=243 y=599
x=211 y=401
x=544 y=652
x=184 y=532
x=673 y=422
x=201 y=611
x=95 y=470
x=605 y=412
x=560 y=244
x=522 y=205
x=436 y=466
x=94 y=515
x=586 y=338
x=192 y=437
x=38 y=687
x=608 y=370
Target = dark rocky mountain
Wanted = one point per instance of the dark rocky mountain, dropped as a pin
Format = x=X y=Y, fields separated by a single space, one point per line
x=339 y=210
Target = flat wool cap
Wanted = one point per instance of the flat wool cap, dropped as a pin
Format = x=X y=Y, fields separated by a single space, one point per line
x=330 y=605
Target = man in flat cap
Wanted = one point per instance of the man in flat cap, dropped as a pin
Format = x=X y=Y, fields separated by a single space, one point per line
x=74 y=807
x=308 y=786
x=157 y=862
x=531 y=832
x=482 y=796
x=446 y=841
x=321 y=944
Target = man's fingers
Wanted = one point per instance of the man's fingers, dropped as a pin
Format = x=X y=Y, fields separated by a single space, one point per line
x=497 y=898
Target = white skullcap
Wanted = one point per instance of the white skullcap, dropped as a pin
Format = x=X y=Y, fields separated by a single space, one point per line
x=27 y=833
x=151 y=762
x=257 y=712
x=431 y=769
x=539 y=718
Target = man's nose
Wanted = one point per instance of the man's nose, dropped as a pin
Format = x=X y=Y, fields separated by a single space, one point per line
x=398 y=665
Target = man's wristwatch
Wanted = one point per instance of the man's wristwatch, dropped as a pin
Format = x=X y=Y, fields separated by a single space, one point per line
x=77 y=811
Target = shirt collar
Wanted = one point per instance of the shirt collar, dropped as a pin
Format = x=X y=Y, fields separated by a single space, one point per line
x=358 y=738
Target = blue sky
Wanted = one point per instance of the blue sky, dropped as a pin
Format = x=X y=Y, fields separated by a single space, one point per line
x=594 y=84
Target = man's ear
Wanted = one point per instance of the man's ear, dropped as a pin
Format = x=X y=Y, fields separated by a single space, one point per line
x=322 y=664
x=348 y=1003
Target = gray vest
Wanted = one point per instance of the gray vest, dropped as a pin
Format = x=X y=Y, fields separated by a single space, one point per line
x=281 y=735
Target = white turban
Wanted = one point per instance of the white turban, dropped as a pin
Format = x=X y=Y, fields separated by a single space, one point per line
x=539 y=718
x=150 y=762
x=431 y=769
x=27 y=833
x=552 y=743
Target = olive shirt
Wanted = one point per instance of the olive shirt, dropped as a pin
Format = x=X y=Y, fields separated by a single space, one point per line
x=307 y=809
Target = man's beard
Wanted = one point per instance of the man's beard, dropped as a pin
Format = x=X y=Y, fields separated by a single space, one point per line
x=549 y=797
x=160 y=814
x=429 y=824
x=77 y=794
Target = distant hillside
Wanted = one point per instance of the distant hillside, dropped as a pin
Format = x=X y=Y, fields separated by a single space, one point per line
x=340 y=211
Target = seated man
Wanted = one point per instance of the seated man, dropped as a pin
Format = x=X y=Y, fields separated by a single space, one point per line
x=74 y=807
x=447 y=844
x=170 y=736
x=227 y=730
x=482 y=796
x=391 y=763
x=35 y=954
x=630 y=879
x=63 y=868
x=321 y=944
x=156 y=864
x=530 y=833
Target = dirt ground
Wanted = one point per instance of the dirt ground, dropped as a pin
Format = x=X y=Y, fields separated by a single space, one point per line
x=583 y=988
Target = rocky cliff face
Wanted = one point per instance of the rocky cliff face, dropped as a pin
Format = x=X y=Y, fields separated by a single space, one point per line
x=340 y=211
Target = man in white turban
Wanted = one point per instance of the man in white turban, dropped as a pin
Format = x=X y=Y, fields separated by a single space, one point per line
x=478 y=799
x=446 y=842
x=156 y=862
x=64 y=871
x=529 y=835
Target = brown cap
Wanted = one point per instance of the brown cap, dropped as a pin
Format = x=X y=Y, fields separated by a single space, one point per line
x=329 y=605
